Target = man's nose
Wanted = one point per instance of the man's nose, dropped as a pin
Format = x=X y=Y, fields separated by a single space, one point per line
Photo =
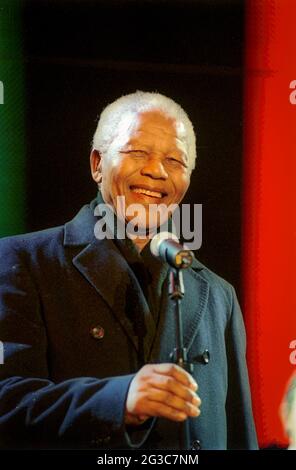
x=155 y=169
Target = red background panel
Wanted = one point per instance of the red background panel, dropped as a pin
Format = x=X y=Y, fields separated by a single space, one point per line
x=269 y=207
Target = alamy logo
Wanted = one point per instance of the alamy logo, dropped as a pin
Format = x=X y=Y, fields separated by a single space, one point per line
x=141 y=221
x=293 y=353
x=1 y=93
x=1 y=353
x=293 y=93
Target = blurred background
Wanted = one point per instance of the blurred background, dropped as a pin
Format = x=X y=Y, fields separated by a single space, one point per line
x=229 y=63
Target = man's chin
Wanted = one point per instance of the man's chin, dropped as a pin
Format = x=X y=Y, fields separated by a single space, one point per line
x=142 y=220
x=140 y=228
x=145 y=228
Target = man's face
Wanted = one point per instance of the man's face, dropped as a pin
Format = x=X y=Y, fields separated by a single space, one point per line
x=146 y=163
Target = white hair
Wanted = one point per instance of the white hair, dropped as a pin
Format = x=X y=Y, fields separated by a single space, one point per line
x=110 y=120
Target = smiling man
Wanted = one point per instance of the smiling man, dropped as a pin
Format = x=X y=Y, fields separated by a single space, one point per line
x=86 y=323
x=149 y=163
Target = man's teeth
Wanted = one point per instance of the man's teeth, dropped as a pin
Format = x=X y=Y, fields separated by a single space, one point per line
x=147 y=192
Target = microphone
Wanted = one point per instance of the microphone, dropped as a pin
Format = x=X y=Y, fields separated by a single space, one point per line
x=166 y=246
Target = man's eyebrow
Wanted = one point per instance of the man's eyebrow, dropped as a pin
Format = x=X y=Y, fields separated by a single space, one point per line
x=133 y=150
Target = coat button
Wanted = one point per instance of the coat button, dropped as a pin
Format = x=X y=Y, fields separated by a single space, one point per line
x=196 y=445
x=97 y=332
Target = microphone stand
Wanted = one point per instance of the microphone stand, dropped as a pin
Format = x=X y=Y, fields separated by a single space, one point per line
x=179 y=355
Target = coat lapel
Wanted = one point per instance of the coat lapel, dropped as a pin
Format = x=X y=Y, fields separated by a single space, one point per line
x=103 y=266
x=108 y=272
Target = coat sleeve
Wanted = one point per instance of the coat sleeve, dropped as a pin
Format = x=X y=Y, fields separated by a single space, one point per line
x=241 y=432
x=35 y=411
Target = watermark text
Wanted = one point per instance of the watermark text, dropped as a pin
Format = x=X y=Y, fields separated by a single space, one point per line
x=1 y=353
x=1 y=93
x=139 y=221
x=293 y=93
x=293 y=353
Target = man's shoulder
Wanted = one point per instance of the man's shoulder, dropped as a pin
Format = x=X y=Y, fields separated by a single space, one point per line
x=218 y=286
x=32 y=239
x=47 y=237
x=209 y=275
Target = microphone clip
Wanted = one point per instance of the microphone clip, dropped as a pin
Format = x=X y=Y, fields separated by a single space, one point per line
x=176 y=284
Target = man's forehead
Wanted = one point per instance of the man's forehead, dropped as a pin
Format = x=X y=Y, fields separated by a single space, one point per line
x=156 y=122
x=155 y=119
x=135 y=126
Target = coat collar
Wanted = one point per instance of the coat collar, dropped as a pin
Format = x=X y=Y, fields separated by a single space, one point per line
x=103 y=266
x=80 y=230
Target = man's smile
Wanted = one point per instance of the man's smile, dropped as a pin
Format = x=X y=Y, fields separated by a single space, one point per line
x=148 y=191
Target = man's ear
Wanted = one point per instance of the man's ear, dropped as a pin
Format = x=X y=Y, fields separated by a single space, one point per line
x=96 y=165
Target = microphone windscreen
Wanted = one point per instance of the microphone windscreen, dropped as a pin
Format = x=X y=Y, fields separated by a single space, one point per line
x=158 y=238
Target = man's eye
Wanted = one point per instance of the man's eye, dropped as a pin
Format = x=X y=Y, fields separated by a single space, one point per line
x=175 y=161
x=138 y=153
